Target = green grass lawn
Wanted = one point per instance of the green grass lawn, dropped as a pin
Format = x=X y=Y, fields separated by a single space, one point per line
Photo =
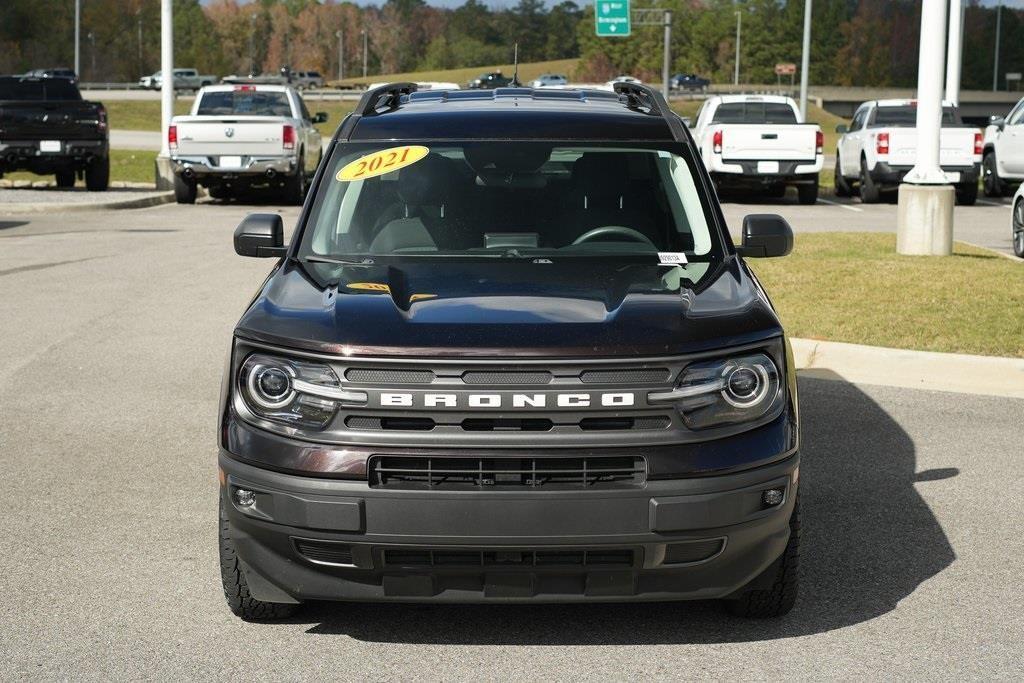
x=527 y=72
x=853 y=287
x=129 y=166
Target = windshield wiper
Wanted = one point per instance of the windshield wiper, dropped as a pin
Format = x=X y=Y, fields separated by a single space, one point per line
x=342 y=261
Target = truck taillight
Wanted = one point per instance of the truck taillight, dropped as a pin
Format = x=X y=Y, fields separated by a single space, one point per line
x=288 y=137
x=819 y=142
x=882 y=143
x=172 y=137
x=244 y=88
x=101 y=119
x=979 y=144
x=716 y=142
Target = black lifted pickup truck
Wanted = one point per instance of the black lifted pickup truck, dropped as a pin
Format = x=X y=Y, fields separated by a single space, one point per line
x=46 y=128
x=510 y=354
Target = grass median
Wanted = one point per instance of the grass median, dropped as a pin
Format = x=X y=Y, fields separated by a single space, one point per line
x=854 y=287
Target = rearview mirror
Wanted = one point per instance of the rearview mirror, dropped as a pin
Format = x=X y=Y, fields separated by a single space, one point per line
x=997 y=121
x=260 y=235
x=765 y=235
x=842 y=128
x=320 y=117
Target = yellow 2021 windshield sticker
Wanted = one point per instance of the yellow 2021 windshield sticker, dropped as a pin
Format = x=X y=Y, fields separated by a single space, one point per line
x=379 y=163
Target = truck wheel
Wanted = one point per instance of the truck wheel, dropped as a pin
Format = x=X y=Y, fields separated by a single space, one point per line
x=807 y=194
x=843 y=187
x=967 y=194
x=784 y=574
x=236 y=590
x=184 y=190
x=869 y=192
x=1018 y=228
x=993 y=184
x=65 y=178
x=97 y=175
x=295 y=185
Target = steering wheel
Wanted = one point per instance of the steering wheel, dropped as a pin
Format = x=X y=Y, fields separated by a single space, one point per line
x=629 y=234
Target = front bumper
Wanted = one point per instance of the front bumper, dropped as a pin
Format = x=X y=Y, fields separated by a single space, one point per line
x=250 y=168
x=886 y=174
x=327 y=539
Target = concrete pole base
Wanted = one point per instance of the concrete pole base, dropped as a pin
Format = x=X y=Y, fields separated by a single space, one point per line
x=163 y=173
x=924 y=220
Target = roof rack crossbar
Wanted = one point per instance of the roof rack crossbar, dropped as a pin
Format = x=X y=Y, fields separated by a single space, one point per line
x=383 y=96
x=636 y=93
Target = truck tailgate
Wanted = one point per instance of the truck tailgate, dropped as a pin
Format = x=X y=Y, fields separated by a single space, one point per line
x=50 y=120
x=230 y=135
x=742 y=141
x=956 y=146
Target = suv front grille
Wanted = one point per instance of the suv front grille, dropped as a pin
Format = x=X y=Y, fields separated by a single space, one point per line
x=418 y=472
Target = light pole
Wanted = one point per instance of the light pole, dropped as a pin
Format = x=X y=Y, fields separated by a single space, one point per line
x=92 y=54
x=364 y=52
x=164 y=171
x=739 y=23
x=341 y=54
x=954 y=51
x=78 y=30
x=665 y=54
x=995 y=66
x=805 y=60
x=138 y=17
x=252 y=44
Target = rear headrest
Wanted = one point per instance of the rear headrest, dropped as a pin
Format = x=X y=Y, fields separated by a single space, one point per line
x=600 y=174
x=427 y=182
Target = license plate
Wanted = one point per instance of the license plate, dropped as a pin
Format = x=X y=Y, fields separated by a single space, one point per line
x=49 y=146
x=231 y=162
x=953 y=177
x=767 y=167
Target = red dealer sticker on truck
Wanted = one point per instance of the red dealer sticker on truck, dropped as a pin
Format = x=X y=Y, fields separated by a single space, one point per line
x=379 y=163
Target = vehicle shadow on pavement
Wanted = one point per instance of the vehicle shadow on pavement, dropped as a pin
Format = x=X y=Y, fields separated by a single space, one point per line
x=868 y=541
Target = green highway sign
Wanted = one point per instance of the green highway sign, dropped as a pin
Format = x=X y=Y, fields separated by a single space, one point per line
x=611 y=17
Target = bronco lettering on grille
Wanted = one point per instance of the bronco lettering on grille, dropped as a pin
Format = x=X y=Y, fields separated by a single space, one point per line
x=507 y=400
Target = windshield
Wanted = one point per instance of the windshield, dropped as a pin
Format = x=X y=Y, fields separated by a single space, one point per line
x=536 y=200
x=898 y=117
x=247 y=102
x=754 y=112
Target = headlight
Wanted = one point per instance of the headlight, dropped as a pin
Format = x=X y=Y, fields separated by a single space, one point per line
x=725 y=391
x=294 y=392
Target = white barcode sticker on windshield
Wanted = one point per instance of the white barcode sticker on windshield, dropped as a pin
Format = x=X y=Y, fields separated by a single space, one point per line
x=671 y=258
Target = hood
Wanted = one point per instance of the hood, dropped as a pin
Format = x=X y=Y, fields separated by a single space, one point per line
x=507 y=308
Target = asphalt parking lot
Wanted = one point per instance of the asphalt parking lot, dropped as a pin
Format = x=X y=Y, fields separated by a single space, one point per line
x=115 y=326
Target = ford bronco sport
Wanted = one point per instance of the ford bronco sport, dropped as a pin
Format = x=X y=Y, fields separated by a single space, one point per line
x=510 y=354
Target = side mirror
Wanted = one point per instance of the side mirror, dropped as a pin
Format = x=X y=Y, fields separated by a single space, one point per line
x=687 y=121
x=260 y=235
x=842 y=128
x=764 y=235
x=320 y=117
x=997 y=121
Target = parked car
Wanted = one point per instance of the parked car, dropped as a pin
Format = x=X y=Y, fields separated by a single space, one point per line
x=184 y=79
x=495 y=79
x=517 y=361
x=688 y=82
x=47 y=128
x=549 y=80
x=241 y=136
x=880 y=146
x=759 y=142
x=1002 y=163
x=1017 y=222
x=307 y=79
x=59 y=72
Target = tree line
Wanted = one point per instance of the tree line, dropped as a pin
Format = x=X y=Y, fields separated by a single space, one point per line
x=854 y=42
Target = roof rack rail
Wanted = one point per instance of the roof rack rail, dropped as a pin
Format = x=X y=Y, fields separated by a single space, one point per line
x=638 y=95
x=383 y=96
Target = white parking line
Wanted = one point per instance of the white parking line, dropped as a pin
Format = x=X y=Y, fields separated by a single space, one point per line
x=841 y=206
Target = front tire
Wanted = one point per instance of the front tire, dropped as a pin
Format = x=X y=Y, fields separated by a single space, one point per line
x=843 y=187
x=295 y=185
x=236 y=589
x=1018 y=228
x=807 y=194
x=185 y=191
x=869 y=192
x=97 y=175
x=784 y=574
x=992 y=184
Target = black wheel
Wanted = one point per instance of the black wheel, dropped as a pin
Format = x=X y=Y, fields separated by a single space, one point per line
x=97 y=175
x=1018 y=228
x=295 y=185
x=807 y=194
x=784 y=575
x=236 y=590
x=869 y=192
x=65 y=178
x=184 y=190
x=843 y=187
x=967 y=194
x=993 y=184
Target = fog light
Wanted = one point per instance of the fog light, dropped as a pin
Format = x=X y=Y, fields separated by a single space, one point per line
x=772 y=497
x=245 y=497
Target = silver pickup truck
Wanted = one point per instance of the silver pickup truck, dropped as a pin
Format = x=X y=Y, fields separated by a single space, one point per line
x=242 y=136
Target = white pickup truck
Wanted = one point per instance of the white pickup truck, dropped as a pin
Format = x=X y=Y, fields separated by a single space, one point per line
x=880 y=147
x=1002 y=164
x=759 y=142
x=242 y=136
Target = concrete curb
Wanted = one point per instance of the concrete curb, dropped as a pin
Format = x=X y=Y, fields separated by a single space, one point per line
x=954 y=372
x=154 y=199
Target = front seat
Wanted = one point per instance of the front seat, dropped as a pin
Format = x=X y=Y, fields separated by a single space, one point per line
x=600 y=195
x=419 y=220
